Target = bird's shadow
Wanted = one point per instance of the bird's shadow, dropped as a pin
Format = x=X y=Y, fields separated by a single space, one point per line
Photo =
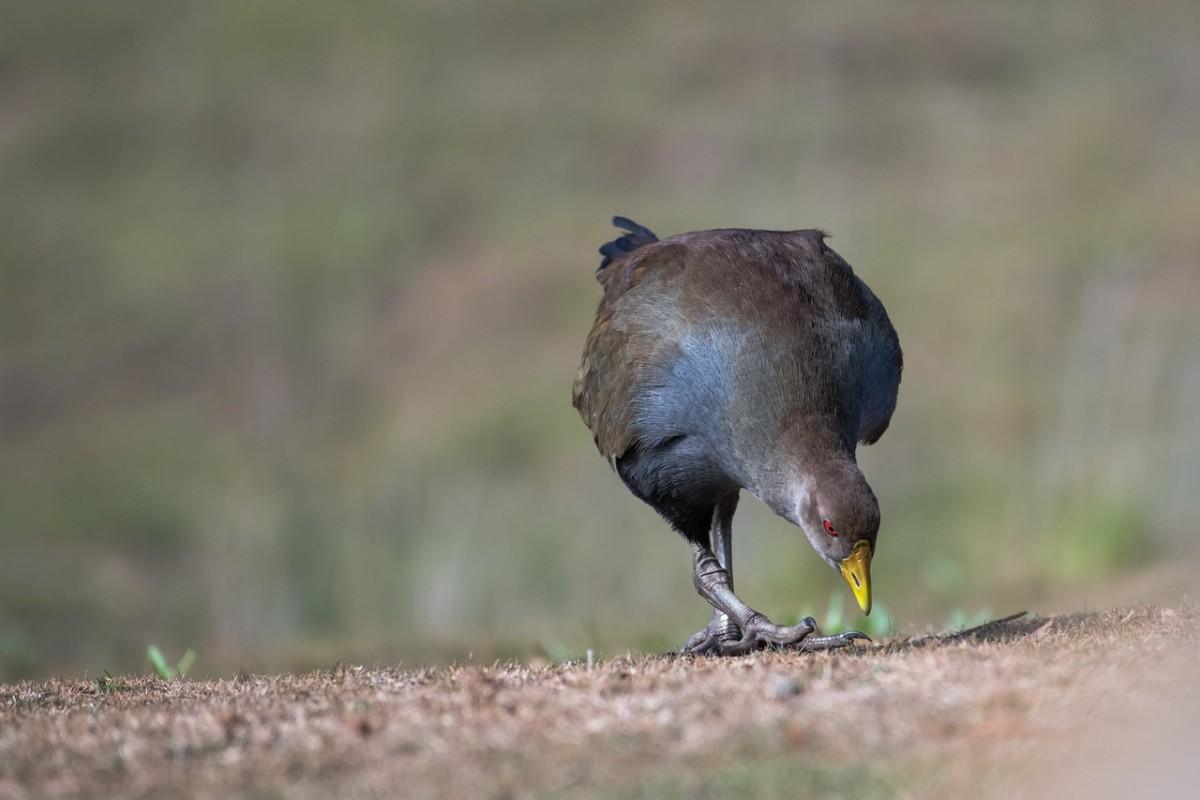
x=1003 y=630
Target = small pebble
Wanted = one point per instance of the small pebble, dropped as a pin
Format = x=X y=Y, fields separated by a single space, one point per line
x=785 y=686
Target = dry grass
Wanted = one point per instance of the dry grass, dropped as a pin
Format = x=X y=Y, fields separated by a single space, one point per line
x=1003 y=708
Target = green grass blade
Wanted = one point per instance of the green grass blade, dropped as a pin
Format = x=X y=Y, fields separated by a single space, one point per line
x=155 y=656
x=185 y=663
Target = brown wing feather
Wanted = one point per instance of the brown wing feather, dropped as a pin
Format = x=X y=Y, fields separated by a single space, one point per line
x=881 y=360
x=618 y=348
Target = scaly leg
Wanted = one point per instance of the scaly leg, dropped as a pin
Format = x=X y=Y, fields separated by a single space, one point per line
x=720 y=628
x=714 y=582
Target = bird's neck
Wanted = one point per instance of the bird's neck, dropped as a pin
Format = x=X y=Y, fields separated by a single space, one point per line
x=806 y=456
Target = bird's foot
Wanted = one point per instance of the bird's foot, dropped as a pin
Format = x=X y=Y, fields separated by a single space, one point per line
x=722 y=637
x=812 y=644
x=760 y=632
x=708 y=639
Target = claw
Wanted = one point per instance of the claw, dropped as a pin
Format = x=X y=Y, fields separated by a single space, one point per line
x=701 y=643
x=705 y=641
x=713 y=638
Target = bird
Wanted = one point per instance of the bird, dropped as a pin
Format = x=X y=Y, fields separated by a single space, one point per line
x=738 y=359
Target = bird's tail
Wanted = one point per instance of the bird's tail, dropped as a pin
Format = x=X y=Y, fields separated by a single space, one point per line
x=638 y=236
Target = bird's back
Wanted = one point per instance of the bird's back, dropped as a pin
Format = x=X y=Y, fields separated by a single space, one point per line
x=718 y=340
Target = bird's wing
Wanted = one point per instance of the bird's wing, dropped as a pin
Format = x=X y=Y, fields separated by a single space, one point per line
x=852 y=356
x=621 y=346
x=880 y=364
x=879 y=392
x=853 y=329
x=648 y=309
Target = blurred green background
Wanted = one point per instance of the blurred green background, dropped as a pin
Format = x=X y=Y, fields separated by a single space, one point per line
x=293 y=296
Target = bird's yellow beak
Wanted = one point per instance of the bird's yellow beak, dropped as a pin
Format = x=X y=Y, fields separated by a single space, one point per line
x=856 y=569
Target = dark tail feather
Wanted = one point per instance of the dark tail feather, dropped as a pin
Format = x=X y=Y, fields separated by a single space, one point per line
x=638 y=236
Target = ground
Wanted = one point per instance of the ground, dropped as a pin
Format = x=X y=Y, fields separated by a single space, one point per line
x=1091 y=703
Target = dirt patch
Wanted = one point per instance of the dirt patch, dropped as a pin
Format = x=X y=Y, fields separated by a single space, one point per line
x=1000 y=708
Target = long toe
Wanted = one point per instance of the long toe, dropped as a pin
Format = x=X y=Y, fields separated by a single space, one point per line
x=760 y=632
x=835 y=642
x=770 y=633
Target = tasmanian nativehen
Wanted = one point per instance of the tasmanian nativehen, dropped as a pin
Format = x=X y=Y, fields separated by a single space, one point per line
x=738 y=359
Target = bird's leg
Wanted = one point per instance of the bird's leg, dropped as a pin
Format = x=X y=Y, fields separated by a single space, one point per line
x=714 y=585
x=722 y=544
x=721 y=628
x=736 y=628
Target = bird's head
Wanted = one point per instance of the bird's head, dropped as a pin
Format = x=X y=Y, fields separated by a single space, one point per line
x=839 y=513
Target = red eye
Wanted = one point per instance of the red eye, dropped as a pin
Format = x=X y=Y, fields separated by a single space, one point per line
x=829 y=527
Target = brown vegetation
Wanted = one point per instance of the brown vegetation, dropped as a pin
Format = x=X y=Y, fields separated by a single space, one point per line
x=1010 y=707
